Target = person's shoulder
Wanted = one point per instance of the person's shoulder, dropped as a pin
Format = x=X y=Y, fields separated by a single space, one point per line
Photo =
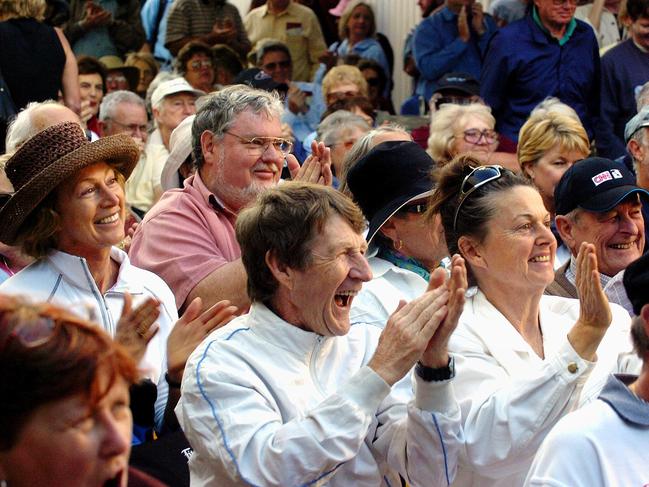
x=613 y=54
x=295 y=7
x=30 y=279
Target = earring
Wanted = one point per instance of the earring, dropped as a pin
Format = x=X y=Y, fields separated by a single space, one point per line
x=398 y=245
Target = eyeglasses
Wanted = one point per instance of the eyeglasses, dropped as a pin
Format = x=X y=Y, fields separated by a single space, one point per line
x=474 y=136
x=258 y=145
x=480 y=176
x=280 y=64
x=197 y=65
x=414 y=208
x=340 y=95
x=132 y=128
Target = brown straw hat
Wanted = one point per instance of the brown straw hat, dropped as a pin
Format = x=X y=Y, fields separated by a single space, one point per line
x=48 y=159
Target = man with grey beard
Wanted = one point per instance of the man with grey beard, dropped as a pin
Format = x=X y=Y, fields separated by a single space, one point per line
x=188 y=238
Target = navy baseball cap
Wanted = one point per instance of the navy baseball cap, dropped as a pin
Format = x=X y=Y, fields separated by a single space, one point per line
x=594 y=184
x=257 y=78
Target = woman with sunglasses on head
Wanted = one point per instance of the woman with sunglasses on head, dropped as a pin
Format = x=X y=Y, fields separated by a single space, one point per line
x=524 y=360
x=64 y=418
x=391 y=184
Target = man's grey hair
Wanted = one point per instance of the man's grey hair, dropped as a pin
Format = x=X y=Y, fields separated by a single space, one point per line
x=21 y=127
x=112 y=100
x=219 y=111
x=332 y=128
x=641 y=139
x=642 y=96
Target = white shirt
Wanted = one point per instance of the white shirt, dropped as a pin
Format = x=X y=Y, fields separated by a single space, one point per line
x=510 y=397
x=145 y=178
x=266 y=403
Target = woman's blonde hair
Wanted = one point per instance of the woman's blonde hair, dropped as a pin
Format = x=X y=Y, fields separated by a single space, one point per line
x=544 y=130
x=343 y=31
x=31 y=9
x=444 y=123
x=342 y=74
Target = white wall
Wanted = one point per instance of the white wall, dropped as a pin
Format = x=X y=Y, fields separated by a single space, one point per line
x=394 y=18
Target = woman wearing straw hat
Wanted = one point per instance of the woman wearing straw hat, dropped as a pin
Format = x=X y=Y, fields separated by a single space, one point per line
x=67 y=211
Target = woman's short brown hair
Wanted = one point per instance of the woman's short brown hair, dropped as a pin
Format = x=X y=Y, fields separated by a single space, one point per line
x=284 y=221
x=75 y=358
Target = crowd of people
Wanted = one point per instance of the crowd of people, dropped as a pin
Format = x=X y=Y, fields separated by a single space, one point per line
x=223 y=263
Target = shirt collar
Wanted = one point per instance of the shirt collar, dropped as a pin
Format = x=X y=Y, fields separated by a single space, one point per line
x=571 y=273
x=208 y=197
x=265 y=11
x=625 y=403
x=566 y=36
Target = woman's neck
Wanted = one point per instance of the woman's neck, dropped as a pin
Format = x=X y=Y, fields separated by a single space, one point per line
x=521 y=311
x=103 y=269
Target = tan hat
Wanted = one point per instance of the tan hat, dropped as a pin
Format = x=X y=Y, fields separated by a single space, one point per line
x=48 y=159
x=180 y=144
x=115 y=63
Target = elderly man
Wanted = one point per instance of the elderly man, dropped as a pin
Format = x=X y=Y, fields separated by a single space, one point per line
x=548 y=53
x=604 y=443
x=124 y=112
x=340 y=131
x=598 y=202
x=296 y=26
x=188 y=236
x=291 y=394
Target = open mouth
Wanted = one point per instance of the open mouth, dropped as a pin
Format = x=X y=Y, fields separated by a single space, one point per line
x=109 y=219
x=622 y=246
x=540 y=258
x=115 y=481
x=344 y=299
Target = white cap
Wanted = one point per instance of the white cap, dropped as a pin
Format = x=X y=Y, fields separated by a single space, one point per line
x=180 y=145
x=171 y=87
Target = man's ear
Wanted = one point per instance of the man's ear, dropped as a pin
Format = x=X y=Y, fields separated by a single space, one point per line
x=280 y=271
x=156 y=113
x=644 y=314
x=636 y=150
x=208 y=147
x=565 y=227
x=471 y=252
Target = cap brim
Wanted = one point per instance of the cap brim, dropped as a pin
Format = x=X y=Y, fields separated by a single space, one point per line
x=608 y=200
x=389 y=210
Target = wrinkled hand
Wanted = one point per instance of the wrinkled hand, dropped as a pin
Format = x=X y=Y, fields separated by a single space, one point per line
x=316 y=168
x=463 y=25
x=408 y=332
x=136 y=327
x=594 y=308
x=436 y=353
x=477 y=19
x=297 y=100
x=190 y=330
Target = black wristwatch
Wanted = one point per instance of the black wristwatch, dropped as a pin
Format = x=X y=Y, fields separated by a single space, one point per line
x=429 y=374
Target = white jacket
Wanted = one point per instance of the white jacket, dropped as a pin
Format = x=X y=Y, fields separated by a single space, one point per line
x=65 y=280
x=510 y=397
x=380 y=297
x=266 y=403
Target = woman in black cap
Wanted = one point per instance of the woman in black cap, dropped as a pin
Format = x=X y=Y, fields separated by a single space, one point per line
x=392 y=184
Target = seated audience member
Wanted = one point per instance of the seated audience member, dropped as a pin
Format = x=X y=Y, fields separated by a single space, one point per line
x=68 y=212
x=103 y=28
x=195 y=64
x=356 y=31
x=462 y=129
x=392 y=184
x=625 y=68
x=120 y=76
x=547 y=53
x=548 y=144
x=68 y=422
x=148 y=68
x=603 y=442
x=597 y=202
x=257 y=78
x=227 y=65
x=239 y=152
x=123 y=112
x=453 y=39
x=526 y=359
x=296 y=26
x=343 y=82
x=92 y=86
x=172 y=102
x=366 y=143
x=35 y=117
x=209 y=23
x=376 y=85
x=180 y=163
x=304 y=104
x=257 y=412
x=601 y=15
x=340 y=131
x=636 y=135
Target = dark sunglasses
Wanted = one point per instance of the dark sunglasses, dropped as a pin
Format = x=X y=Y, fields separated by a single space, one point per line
x=480 y=176
x=414 y=208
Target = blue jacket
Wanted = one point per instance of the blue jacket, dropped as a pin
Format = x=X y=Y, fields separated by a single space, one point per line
x=438 y=49
x=524 y=65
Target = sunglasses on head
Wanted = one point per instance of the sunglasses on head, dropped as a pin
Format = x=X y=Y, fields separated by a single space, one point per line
x=478 y=177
